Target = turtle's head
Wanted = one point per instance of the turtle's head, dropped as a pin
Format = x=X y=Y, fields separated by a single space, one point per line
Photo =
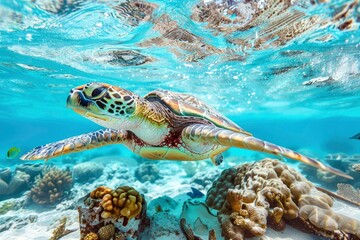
x=107 y=105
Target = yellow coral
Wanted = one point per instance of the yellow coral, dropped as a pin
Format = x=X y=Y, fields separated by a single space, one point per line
x=100 y=192
x=91 y=236
x=125 y=201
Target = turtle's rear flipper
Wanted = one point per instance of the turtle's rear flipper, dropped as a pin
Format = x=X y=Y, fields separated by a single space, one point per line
x=224 y=137
x=217 y=160
x=77 y=144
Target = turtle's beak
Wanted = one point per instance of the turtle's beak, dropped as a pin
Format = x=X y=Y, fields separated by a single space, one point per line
x=82 y=105
x=70 y=99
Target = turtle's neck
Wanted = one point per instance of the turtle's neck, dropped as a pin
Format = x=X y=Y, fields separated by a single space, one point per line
x=150 y=122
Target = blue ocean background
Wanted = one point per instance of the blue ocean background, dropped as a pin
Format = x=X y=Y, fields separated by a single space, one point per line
x=46 y=49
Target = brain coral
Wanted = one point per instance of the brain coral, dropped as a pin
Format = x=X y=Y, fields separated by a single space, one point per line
x=122 y=202
x=106 y=232
x=50 y=185
x=216 y=195
x=270 y=193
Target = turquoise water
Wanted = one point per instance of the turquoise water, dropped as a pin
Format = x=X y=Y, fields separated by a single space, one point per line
x=49 y=47
x=44 y=54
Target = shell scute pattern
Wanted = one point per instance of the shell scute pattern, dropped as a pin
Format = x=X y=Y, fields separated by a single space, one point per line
x=189 y=106
x=153 y=114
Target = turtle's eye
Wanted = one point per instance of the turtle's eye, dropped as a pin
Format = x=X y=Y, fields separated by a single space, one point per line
x=95 y=93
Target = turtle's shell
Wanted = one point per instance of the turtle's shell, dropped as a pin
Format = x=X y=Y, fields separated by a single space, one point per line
x=188 y=105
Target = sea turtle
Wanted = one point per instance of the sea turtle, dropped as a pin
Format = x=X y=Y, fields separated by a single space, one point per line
x=162 y=125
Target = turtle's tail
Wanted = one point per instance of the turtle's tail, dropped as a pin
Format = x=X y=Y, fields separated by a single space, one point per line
x=224 y=137
x=76 y=144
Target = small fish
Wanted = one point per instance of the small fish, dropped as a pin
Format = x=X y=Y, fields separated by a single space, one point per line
x=12 y=152
x=357 y=136
x=195 y=193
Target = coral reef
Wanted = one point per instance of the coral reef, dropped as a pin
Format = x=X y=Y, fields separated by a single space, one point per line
x=51 y=185
x=87 y=171
x=32 y=169
x=13 y=183
x=270 y=193
x=147 y=172
x=123 y=202
x=107 y=213
x=216 y=196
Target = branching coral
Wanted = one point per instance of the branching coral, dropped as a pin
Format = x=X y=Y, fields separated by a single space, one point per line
x=123 y=202
x=269 y=193
x=51 y=185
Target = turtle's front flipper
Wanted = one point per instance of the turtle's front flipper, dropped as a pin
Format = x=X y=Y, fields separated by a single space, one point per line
x=76 y=144
x=224 y=137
